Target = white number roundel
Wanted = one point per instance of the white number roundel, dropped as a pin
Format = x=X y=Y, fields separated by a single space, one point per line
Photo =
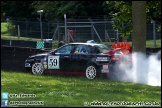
x=53 y=62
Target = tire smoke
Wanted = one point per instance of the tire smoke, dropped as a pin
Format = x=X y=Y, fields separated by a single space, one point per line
x=145 y=69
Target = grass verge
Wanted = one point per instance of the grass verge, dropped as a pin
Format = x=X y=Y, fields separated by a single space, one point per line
x=61 y=91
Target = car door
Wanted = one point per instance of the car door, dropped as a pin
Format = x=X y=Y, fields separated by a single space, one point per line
x=60 y=61
x=80 y=57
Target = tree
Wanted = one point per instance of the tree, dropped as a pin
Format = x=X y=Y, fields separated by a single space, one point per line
x=139 y=26
x=123 y=15
x=17 y=9
x=73 y=9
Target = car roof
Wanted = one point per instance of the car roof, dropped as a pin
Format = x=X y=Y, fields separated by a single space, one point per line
x=81 y=43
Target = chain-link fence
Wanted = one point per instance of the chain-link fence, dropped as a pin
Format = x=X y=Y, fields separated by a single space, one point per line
x=80 y=30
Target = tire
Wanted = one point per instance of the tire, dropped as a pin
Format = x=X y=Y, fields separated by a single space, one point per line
x=91 y=72
x=37 y=68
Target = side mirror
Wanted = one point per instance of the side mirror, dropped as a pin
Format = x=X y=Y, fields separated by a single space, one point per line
x=53 y=52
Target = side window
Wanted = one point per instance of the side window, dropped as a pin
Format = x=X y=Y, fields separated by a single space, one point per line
x=65 y=49
x=88 y=49
x=77 y=50
x=82 y=49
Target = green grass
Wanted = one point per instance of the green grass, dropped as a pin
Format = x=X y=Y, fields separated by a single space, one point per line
x=54 y=45
x=150 y=44
x=61 y=91
x=4 y=29
x=17 y=38
x=7 y=36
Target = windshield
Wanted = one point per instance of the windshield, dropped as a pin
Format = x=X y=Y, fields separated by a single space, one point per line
x=103 y=48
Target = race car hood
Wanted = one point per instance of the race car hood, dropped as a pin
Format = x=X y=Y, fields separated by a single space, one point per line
x=41 y=54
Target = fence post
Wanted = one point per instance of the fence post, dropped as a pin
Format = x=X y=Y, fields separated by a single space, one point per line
x=7 y=24
x=91 y=28
x=10 y=42
x=117 y=34
x=48 y=28
x=65 y=29
x=97 y=33
x=154 y=33
x=8 y=29
x=26 y=22
x=58 y=25
x=18 y=31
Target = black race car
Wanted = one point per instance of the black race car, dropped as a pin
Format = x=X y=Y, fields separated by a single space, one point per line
x=89 y=59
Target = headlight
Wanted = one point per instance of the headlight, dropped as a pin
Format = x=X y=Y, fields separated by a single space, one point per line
x=44 y=60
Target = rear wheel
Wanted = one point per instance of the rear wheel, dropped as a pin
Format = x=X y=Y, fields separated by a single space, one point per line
x=37 y=68
x=91 y=72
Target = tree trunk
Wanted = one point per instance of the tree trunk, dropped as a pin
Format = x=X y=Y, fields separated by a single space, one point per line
x=139 y=26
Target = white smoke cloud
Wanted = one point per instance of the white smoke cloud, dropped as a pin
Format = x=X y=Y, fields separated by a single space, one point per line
x=145 y=70
x=154 y=71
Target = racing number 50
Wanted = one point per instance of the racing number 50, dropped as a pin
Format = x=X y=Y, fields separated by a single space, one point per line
x=53 y=62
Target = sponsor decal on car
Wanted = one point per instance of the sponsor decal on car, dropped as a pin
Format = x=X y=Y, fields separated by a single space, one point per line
x=101 y=59
x=105 y=69
x=105 y=66
x=53 y=62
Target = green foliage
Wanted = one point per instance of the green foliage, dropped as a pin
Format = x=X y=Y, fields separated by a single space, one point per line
x=121 y=19
x=61 y=91
x=123 y=15
x=159 y=28
x=21 y=9
x=11 y=28
x=3 y=27
x=73 y=9
x=153 y=9
x=119 y=11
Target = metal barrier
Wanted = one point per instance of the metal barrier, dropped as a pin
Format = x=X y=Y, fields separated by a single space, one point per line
x=84 y=29
x=22 y=43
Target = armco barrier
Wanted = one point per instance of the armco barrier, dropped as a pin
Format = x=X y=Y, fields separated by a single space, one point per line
x=22 y=43
x=13 y=58
x=152 y=50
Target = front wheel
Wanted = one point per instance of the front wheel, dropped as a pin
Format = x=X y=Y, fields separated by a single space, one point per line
x=91 y=72
x=37 y=68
